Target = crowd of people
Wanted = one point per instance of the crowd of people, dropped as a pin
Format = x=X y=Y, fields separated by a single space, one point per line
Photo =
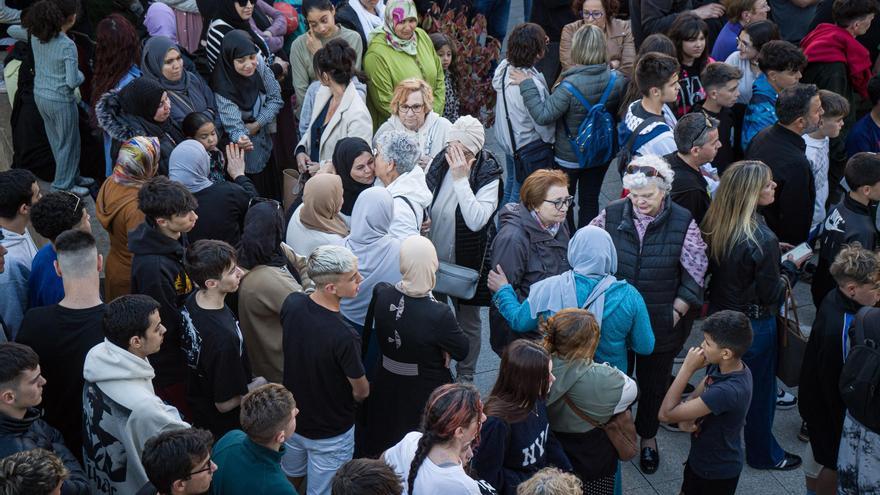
x=308 y=233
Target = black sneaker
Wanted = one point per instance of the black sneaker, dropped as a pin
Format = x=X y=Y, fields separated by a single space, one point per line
x=649 y=460
x=789 y=462
x=804 y=434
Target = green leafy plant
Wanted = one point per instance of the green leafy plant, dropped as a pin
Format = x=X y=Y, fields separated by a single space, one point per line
x=474 y=61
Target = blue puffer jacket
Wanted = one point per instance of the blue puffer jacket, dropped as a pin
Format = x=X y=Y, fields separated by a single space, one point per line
x=761 y=111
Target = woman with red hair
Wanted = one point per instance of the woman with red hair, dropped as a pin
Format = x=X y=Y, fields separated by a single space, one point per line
x=434 y=457
x=117 y=53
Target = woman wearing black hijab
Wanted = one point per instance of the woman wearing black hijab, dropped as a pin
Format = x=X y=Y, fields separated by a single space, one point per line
x=236 y=14
x=353 y=161
x=141 y=108
x=265 y=285
x=248 y=98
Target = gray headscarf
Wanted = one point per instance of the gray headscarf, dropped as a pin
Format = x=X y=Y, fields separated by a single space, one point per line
x=190 y=164
x=591 y=254
x=153 y=59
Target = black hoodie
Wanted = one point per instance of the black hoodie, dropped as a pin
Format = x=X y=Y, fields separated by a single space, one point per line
x=157 y=271
x=31 y=432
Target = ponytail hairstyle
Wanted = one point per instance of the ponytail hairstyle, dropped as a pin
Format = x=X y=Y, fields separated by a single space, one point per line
x=450 y=406
x=523 y=380
x=336 y=59
x=46 y=17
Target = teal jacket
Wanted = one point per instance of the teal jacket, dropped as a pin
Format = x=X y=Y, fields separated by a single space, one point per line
x=246 y=467
x=761 y=112
x=625 y=323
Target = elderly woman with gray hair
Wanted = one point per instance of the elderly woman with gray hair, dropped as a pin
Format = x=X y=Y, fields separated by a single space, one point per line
x=661 y=252
x=396 y=167
x=465 y=181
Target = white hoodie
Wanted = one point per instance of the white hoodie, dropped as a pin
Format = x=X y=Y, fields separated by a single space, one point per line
x=14 y=278
x=408 y=216
x=121 y=412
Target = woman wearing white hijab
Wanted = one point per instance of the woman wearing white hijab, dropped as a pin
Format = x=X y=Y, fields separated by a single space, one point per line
x=416 y=336
x=363 y=16
x=222 y=205
x=624 y=318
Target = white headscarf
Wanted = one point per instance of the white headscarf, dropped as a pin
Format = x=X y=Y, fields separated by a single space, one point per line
x=190 y=164
x=378 y=253
x=591 y=253
x=369 y=20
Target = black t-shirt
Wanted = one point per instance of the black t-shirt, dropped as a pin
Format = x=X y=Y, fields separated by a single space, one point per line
x=689 y=188
x=321 y=352
x=729 y=150
x=218 y=365
x=62 y=337
x=717 y=450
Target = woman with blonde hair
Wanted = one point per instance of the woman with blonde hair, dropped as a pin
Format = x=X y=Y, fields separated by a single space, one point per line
x=748 y=277
x=587 y=79
x=412 y=111
x=584 y=389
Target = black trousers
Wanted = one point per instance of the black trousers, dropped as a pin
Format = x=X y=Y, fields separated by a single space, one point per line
x=652 y=374
x=587 y=184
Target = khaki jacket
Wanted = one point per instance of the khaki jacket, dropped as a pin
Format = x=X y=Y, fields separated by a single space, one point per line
x=620 y=45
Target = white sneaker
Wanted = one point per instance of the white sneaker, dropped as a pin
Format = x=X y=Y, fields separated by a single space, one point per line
x=785 y=400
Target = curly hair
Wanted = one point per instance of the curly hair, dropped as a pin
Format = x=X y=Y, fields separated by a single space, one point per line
x=35 y=472
x=46 y=17
x=572 y=333
x=855 y=264
x=117 y=49
x=550 y=481
x=56 y=212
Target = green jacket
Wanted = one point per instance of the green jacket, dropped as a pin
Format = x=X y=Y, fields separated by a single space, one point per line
x=387 y=67
x=246 y=467
x=595 y=389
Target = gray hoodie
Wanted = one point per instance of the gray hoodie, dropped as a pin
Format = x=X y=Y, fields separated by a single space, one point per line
x=14 y=279
x=120 y=413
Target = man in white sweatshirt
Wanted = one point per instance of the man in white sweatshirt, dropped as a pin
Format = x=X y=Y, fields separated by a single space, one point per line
x=121 y=410
x=396 y=167
x=18 y=193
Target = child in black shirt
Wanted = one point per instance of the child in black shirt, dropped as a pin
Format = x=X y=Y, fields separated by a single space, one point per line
x=219 y=371
x=714 y=413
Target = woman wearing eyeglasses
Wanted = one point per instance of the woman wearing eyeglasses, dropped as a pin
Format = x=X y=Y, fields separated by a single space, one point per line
x=619 y=43
x=661 y=252
x=412 y=111
x=748 y=44
x=531 y=244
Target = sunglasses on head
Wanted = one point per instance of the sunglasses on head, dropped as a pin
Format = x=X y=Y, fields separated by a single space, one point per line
x=244 y=3
x=640 y=169
x=78 y=199
x=707 y=126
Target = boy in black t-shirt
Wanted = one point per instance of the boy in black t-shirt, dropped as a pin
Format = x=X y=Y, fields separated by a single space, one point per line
x=721 y=83
x=219 y=371
x=714 y=413
x=323 y=370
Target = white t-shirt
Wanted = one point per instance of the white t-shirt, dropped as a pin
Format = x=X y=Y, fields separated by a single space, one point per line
x=432 y=479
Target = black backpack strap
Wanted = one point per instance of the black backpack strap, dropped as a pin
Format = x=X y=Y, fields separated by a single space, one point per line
x=506 y=111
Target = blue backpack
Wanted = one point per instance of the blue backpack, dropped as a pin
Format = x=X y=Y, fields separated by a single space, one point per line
x=595 y=143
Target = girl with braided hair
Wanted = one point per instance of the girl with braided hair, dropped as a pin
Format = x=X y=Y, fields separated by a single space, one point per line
x=516 y=441
x=431 y=461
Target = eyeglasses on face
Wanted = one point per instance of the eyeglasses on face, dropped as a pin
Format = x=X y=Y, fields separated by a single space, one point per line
x=208 y=467
x=417 y=108
x=561 y=202
x=257 y=200
x=593 y=14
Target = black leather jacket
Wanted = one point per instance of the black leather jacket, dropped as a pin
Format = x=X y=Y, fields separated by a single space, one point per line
x=31 y=432
x=751 y=279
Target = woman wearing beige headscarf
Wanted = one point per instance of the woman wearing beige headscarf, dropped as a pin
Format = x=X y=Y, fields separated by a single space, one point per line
x=317 y=222
x=415 y=334
x=465 y=180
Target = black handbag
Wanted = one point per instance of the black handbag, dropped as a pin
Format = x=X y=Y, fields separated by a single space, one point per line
x=532 y=156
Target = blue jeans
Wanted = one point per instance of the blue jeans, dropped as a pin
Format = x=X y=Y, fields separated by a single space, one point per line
x=497 y=12
x=762 y=449
x=317 y=460
x=511 y=186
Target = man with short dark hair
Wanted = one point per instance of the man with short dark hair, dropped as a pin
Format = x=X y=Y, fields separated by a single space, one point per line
x=157 y=270
x=120 y=409
x=62 y=334
x=178 y=463
x=248 y=460
x=56 y=212
x=782 y=148
x=721 y=84
x=696 y=137
x=219 y=370
x=21 y=428
x=19 y=191
x=656 y=76
x=366 y=477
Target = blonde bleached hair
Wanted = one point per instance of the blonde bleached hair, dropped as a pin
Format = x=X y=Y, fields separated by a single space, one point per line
x=731 y=216
x=588 y=46
x=407 y=87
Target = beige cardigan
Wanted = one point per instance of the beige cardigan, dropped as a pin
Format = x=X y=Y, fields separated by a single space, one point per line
x=620 y=45
x=261 y=293
x=351 y=119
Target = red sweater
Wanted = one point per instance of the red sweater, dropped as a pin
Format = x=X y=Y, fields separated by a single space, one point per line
x=831 y=43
